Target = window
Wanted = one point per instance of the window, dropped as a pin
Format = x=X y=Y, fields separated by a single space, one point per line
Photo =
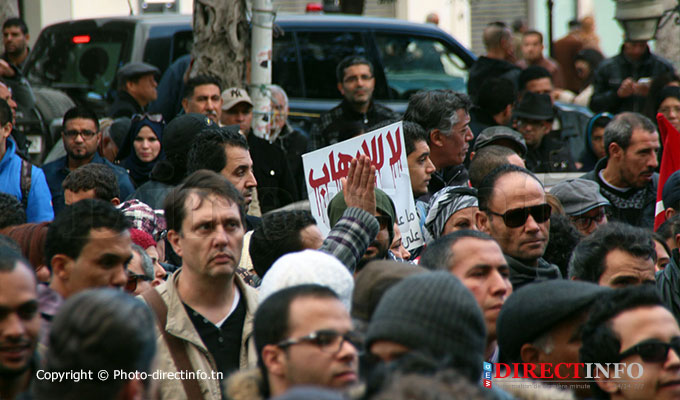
x=285 y=72
x=419 y=63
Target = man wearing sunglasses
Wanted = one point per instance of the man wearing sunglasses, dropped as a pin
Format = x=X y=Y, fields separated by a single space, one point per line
x=615 y=255
x=513 y=210
x=586 y=207
x=303 y=336
x=81 y=137
x=628 y=326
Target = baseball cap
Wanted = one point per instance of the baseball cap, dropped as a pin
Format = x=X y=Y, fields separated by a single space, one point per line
x=233 y=96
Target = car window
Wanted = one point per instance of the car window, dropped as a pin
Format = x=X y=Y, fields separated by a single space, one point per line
x=320 y=53
x=285 y=72
x=95 y=54
x=415 y=63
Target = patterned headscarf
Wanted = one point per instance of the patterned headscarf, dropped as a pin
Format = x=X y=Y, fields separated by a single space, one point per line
x=445 y=203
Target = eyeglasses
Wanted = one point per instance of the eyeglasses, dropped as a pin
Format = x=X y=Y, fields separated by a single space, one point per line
x=597 y=215
x=518 y=216
x=534 y=123
x=150 y=117
x=652 y=350
x=158 y=236
x=132 y=281
x=328 y=340
x=355 y=78
x=384 y=221
x=86 y=134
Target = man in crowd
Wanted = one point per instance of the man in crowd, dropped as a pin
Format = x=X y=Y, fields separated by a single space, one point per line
x=546 y=331
x=81 y=138
x=15 y=39
x=140 y=271
x=136 y=89
x=209 y=307
x=20 y=178
x=445 y=116
x=621 y=83
x=237 y=108
x=583 y=203
x=500 y=135
x=87 y=246
x=356 y=83
x=91 y=181
x=513 y=210
x=533 y=119
x=632 y=326
x=19 y=324
x=79 y=343
x=494 y=105
x=203 y=95
x=626 y=176
x=476 y=259
x=615 y=255
x=303 y=336
x=671 y=195
x=532 y=50
x=489 y=158
x=420 y=167
x=498 y=61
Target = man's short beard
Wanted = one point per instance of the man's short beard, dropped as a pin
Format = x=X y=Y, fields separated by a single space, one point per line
x=381 y=255
x=74 y=156
x=12 y=373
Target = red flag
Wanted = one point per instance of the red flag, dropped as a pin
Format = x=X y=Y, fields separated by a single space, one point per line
x=670 y=162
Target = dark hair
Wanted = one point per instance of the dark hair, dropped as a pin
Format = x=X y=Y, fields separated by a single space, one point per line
x=436 y=109
x=563 y=239
x=348 y=62
x=278 y=234
x=600 y=344
x=657 y=237
x=413 y=133
x=99 y=177
x=531 y=73
x=588 y=259
x=496 y=94
x=203 y=154
x=270 y=325
x=620 y=129
x=200 y=80
x=80 y=112
x=486 y=160
x=70 y=230
x=5 y=113
x=11 y=211
x=86 y=335
x=10 y=257
x=669 y=91
x=670 y=228
x=593 y=58
x=485 y=190
x=533 y=32
x=439 y=253
x=16 y=21
x=203 y=183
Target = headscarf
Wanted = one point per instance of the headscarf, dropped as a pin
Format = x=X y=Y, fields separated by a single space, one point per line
x=445 y=203
x=139 y=170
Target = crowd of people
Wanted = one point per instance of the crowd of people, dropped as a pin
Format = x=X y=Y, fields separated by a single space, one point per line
x=169 y=252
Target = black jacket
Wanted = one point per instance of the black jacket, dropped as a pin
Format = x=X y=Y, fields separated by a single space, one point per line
x=125 y=106
x=329 y=129
x=275 y=185
x=668 y=284
x=448 y=176
x=485 y=68
x=550 y=156
x=634 y=206
x=521 y=274
x=610 y=74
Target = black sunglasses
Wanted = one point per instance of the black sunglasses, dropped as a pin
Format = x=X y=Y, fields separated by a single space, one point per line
x=518 y=216
x=132 y=281
x=653 y=350
x=150 y=117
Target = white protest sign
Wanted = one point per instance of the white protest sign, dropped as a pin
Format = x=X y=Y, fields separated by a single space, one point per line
x=385 y=147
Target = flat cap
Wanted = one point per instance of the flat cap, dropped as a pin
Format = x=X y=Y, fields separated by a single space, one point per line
x=494 y=134
x=136 y=69
x=537 y=308
x=579 y=196
x=671 y=191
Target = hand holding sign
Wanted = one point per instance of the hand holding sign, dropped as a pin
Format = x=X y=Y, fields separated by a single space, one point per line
x=359 y=186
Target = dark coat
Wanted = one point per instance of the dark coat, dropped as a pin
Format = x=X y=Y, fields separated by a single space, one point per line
x=485 y=68
x=550 y=156
x=275 y=185
x=124 y=106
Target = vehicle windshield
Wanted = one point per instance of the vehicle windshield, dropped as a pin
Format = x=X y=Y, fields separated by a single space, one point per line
x=96 y=56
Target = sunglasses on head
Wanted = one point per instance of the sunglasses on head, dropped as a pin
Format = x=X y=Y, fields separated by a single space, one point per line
x=653 y=350
x=518 y=216
x=150 y=117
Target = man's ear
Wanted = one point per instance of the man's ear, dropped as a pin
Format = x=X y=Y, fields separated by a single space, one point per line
x=677 y=241
x=670 y=212
x=529 y=353
x=6 y=130
x=61 y=266
x=340 y=89
x=482 y=222
x=185 y=105
x=173 y=238
x=436 y=138
x=273 y=358
x=472 y=155
x=615 y=151
x=115 y=201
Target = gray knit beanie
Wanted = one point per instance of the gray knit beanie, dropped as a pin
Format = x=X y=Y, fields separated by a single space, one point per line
x=433 y=313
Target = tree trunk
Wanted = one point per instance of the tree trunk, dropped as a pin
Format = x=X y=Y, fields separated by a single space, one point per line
x=220 y=40
x=668 y=38
x=8 y=9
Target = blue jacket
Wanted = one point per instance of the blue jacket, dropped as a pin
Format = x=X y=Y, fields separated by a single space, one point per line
x=39 y=206
x=56 y=172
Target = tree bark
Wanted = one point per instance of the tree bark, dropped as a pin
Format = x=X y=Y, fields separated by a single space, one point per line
x=220 y=40
x=668 y=38
x=8 y=9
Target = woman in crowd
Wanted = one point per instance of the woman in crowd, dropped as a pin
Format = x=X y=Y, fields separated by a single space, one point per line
x=142 y=147
x=451 y=209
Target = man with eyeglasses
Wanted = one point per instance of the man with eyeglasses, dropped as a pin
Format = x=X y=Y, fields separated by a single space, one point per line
x=629 y=326
x=513 y=210
x=615 y=255
x=356 y=84
x=81 y=137
x=586 y=207
x=303 y=335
